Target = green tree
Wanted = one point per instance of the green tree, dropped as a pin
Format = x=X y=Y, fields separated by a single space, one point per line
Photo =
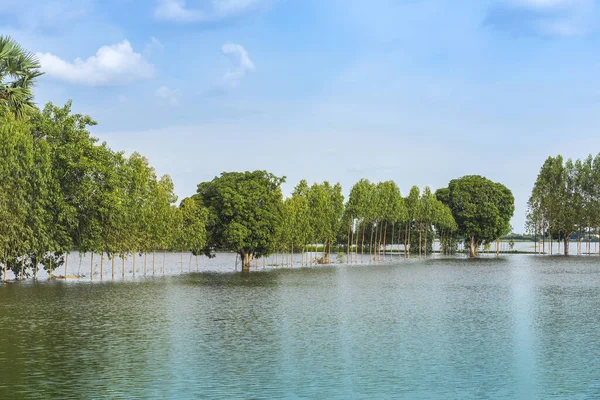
x=18 y=72
x=481 y=208
x=244 y=213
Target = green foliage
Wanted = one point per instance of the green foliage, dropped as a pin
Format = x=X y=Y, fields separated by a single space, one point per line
x=481 y=208
x=565 y=198
x=18 y=72
x=245 y=212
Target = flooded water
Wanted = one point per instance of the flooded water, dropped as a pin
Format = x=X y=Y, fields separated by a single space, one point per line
x=516 y=326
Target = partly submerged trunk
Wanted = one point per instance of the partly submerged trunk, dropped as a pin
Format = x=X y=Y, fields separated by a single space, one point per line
x=473 y=247
x=246 y=260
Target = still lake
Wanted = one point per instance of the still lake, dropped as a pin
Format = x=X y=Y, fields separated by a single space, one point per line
x=512 y=327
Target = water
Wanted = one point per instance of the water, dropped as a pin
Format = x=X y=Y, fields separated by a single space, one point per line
x=517 y=326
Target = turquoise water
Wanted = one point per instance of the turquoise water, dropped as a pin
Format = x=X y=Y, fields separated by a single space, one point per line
x=500 y=328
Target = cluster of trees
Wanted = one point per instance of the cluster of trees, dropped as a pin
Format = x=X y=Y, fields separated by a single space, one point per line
x=62 y=190
x=565 y=200
x=247 y=214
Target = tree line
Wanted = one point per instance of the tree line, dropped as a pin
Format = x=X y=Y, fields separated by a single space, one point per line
x=61 y=190
x=248 y=215
x=565 y=203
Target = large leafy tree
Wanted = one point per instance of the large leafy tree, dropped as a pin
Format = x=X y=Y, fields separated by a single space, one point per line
x=245 y=211
x=18 y=72
x=481 y=208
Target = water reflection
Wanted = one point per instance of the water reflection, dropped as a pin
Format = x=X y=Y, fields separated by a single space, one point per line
x=507 y=327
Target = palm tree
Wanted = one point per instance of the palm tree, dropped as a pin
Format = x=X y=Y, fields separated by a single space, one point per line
x=18 y=71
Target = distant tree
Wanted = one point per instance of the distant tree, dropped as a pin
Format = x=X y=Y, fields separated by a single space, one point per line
x=245 y=210
x=481 y=208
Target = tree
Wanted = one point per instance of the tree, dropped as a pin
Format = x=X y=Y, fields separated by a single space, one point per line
x=193 y=232
x=481 y=208
x=18 y=72
x=245 y=210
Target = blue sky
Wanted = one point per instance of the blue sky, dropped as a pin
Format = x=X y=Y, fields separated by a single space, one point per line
x=418 y=91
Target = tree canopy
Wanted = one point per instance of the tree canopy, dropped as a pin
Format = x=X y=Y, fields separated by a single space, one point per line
x=481 y=208
x=244 y=213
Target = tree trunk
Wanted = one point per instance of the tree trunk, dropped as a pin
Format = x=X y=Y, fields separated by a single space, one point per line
x=420 y=238
x=92 y=267
x=101 y=265
x=123 y=266
x=134 y=263
x=384 y=240
x=66 y=264
x=566 y=240
x=426 y=234
x=407 y=250
x=164 y=259
x=112 y=266
x=392 y=248
x=246 y=261
x=473 y=248
x=349 y=240
x=145 y=258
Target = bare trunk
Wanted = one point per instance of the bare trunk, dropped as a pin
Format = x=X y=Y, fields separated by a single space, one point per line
x=66 y=264
x=473 y=248
x=426 y=234
x=164 y=259
x=112 y=266
x=349 y=240
x=145 y=257
x=420 y=242
x=123 y=266
x=407 y=250
x=246 y=261
x=566 y=240
x=92 y=267
x=101 y=265
x=134 y=263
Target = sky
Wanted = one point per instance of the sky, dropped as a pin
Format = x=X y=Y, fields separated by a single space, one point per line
x=415 y=91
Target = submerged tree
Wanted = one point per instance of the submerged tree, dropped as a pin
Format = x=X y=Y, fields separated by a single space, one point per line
x=244 y=213
x=481 y=208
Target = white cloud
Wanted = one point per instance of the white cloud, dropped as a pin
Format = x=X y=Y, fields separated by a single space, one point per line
x=171 y=96
x=111 y=65
x=244 y=64
x=176 y=10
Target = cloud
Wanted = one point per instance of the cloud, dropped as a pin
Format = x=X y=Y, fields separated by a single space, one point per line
x=544 y=17
x=176 y=10
x=244 y=64
x=171 y=96
x=114 y=64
